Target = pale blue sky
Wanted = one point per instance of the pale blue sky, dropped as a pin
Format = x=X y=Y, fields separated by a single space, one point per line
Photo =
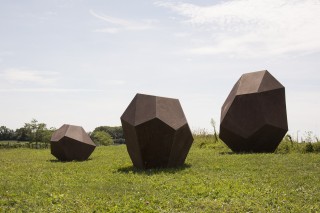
x=81 y=62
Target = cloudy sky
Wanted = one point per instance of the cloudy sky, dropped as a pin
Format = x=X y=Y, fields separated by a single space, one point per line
x=81 y=62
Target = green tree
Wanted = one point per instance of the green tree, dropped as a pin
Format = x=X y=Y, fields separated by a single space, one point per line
x=116 y=132
x=6 y=133
x=22 y=134
x=101 y=138
x=42 y=134
x=35 y=132
x=31 y=129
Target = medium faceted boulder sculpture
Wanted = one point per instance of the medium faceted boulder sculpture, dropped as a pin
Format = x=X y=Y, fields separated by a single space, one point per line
x=254 y=116
x=71 y=143
x=156 y=131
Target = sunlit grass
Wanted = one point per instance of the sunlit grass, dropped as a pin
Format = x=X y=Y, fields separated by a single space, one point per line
x=211 y=180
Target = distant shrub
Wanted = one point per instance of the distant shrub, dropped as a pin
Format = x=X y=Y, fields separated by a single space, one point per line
x=203 y=140
x=101 y=138
x=208 y=141
x=119 y=141
x=308 y=147
x=316 y=147
x=284 y=148
x=116 y=132
x=19 y=144
x=294 y=147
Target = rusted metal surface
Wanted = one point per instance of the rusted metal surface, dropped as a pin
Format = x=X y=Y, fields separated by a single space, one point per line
x=71 y=142
x=254 y=115
x=156 y=131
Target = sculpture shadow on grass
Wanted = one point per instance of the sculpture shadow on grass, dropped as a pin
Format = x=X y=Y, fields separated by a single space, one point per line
x=228 y=153
x=59 y=161
x=153 y=171
x=241 y=153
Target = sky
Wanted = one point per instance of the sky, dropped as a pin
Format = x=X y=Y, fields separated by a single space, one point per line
x=81 y=62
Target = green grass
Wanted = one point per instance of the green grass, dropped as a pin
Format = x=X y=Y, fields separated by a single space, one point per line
x=212 y=180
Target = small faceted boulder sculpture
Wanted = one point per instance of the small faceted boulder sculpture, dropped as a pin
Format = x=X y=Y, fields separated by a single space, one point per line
x=71 y=143
x=254 y=116
x=156 y=132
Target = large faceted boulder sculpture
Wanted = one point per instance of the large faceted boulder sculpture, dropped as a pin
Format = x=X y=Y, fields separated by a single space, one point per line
x=71 y=143
x=156 y=132
x=254 y=117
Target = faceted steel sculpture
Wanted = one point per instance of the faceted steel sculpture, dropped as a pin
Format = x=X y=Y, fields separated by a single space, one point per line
x=156 y=131
x=254 y=117
x=71 y=143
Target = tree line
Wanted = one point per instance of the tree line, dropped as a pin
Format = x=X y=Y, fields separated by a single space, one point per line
x=32 y=132
x=37 y=132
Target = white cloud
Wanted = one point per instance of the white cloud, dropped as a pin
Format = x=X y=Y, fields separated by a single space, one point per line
x=118 y=25
x=253 y=28
x=29 y=76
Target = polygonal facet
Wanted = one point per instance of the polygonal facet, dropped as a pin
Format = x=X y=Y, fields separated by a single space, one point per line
x=71 y=142
x=170 y=112
x=254 y=117
x=156 y=131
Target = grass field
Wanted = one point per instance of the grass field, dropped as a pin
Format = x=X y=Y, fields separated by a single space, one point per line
x=212 y=180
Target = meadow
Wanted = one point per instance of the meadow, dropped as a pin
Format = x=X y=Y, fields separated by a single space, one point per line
x=213 y=179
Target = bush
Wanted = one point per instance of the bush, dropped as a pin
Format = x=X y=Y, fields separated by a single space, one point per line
x=208 y=141
x=316 y=147
x=101 y=138
x=120 y=141
x=284 y=148
x=308 y=147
